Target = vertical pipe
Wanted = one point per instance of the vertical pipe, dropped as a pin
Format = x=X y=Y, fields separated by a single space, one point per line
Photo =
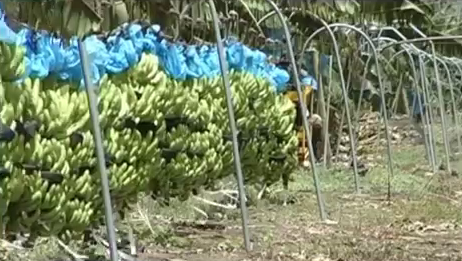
x=442 y=109
x=232 y=126
x=428 y=144
x=94 y=115
x=429 y=112
x=431 y=130
x=327 y=144
x=427 y=141
x=425 y=90
x=453 y=101
x=320 y=202
x=440 y=99
x=344 y=93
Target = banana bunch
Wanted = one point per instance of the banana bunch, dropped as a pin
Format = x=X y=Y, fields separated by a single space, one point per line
x=207 y=86
x=134 y=159
x=113 y=105
x=14 y=103
x=199 y=112
x=284 y=117
x=177 y=138
x=65 y=112
x=12 y=63
x=128 y=145
x=11 y=186
x=36 y=153
x=200 y=142
x=41 y=201
x=151 y=102
x=122 y=177
x=52 y=219
x=147 y=72
x=227 y=159
x=130 y=184
x=80 y=151
x=147 y=85
x=178 y=102
x=183 y=173
x=79 y=214
x=34 y=188
x=83 y=186
x=60 y=108
x=256 y=106
x=263 y=155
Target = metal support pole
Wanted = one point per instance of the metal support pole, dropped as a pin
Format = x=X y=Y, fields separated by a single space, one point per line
x=344 y=92
x=428 y=113
x=232 y=126
x=425 y=87
x=304 y=109
x=440 y=99
x=453 y=100
x=427 y=133
x=94 y=115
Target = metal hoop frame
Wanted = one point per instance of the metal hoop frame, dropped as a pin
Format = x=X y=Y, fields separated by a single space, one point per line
x=92 y=101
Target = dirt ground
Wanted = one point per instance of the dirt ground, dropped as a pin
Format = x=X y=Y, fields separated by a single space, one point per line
x=422 y=221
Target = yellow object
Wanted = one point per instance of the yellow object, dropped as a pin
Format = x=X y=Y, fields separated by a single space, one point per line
x=302 y=149
x=292 y=95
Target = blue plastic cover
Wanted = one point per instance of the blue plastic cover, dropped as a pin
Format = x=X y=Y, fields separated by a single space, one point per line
x=47 y=55
x=418 y=107
x=6 y=34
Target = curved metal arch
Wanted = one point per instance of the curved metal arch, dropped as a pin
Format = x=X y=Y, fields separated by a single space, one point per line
x=428 y=116
x=442 y=107
x=423 y=39
x=344 y=94
x=419 y=50
x=427 y=96
x=344 y=91
x=440 y=94
x=450 y=81
x=393 y=42
x=268 y=15
x=448 y=72
x=457 y=63
x=303 y=109
x=232 y=126
x=428 y=142
x=453 y=100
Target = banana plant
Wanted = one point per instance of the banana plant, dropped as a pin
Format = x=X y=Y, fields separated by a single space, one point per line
x=67 y=17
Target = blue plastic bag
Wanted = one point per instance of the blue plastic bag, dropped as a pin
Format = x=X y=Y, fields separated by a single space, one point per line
x=172 y=59
x=235 y=56
x=211 y=59
x=6 y=34
x=197 y=66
